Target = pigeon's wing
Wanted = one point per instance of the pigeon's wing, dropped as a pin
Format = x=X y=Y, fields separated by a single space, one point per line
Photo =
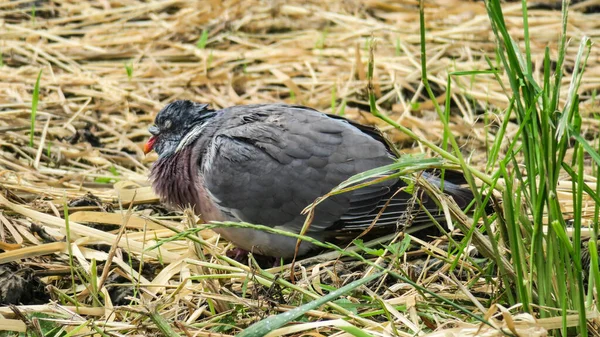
x=401 y=208
x=268 y=162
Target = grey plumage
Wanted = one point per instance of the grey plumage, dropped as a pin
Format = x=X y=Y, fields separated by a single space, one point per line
x=264 y=164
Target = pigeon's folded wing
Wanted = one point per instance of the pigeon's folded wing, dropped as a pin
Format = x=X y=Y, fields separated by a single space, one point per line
x=266 y=166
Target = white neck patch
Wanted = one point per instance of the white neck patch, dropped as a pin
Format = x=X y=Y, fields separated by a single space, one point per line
x=190 y=137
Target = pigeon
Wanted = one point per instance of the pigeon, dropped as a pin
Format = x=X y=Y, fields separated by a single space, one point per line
x=265 y=163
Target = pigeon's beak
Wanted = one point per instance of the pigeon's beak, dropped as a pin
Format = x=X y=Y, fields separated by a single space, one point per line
x=149 y=145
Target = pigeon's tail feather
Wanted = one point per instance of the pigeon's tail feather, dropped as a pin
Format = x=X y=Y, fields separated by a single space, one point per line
x=462 y=195
x=456 y=186
x=400 y=209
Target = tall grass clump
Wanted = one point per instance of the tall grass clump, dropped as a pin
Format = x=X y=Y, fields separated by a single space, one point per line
x=542 y=242
x=549 y=147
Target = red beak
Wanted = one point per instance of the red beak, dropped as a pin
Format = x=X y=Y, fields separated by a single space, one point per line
x=149 y=145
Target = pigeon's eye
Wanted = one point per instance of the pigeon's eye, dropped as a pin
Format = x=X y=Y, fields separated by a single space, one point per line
x=167 y=125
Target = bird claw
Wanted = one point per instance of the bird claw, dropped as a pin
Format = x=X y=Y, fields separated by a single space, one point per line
x=241 y=256
x=238 y=254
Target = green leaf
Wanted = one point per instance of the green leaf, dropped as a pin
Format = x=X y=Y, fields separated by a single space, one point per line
x=113 y=170
x=201 y=44
x=574 y=86
x=376 y=252
x=162 y=324
x=342 y=111
x=129 y=70
x=356 y=331
x=271 y=323
x=588 y=148
x=348 y=305
x=33 y=13
x=34 y=105
x=475 y=72
x=404 y=165
x=399 y=248
x=104 y=180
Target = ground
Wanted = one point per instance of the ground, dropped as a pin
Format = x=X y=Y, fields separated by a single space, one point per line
x=105 y=68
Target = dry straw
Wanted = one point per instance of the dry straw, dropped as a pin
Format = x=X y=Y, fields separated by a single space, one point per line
x=108 y=68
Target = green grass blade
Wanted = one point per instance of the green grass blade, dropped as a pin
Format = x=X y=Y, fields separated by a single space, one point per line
x=33 y=14
x=129 y=70
x=201 y=44
x=354 y=331
x=271 y=323
x=574 y=86
x=161 y=323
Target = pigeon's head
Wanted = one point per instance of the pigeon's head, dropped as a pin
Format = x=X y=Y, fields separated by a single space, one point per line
x=177 y=125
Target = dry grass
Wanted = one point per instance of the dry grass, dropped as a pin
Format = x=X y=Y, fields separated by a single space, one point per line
x=93 y=115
